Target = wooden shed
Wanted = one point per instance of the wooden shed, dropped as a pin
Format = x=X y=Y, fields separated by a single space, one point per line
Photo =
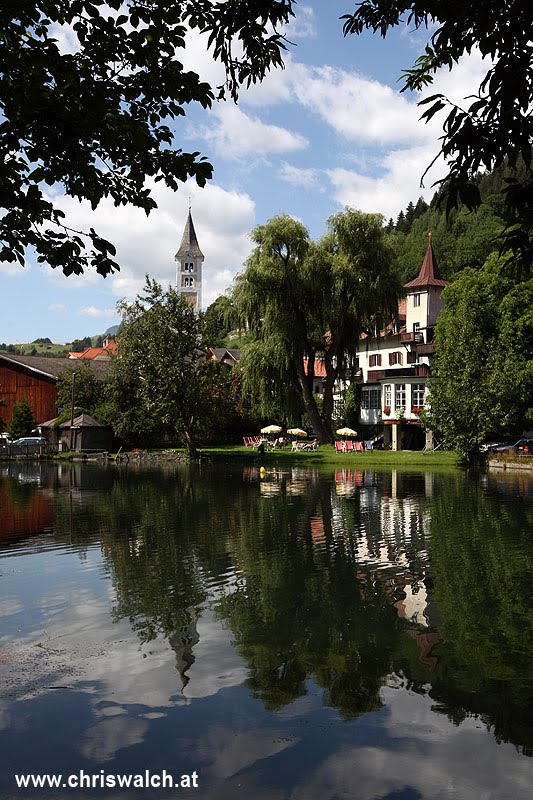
x=18 y=380
x=35 y=377
x=87 y=434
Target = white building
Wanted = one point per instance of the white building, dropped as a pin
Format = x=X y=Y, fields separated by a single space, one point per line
x=189 y=260
x=394 y=365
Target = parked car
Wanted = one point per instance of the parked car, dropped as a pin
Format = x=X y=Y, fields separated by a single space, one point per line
x=522 y=447
x=31 y=441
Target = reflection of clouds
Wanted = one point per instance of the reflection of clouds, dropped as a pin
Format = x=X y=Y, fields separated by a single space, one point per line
x=102 y=741
x=10 y=606
x=217 y=665
x=421 y=749
x=233 y=754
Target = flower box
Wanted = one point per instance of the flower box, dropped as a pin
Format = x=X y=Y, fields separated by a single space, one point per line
x=417 y=409
x=386 y=410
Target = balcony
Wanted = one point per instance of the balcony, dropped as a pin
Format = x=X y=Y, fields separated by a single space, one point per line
x=412 y=337
x=414 y=371
x=425 y=349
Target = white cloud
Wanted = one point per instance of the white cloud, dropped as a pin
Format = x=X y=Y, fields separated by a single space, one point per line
x=56 y=308
x=309 y=178
x=146 y=245
x=303 y=26
x=399 y=181
x=14 y=270
x=97 y=313
x=358 y=108
x=237 y=135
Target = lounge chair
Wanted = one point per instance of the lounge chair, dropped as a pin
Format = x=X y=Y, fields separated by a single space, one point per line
x=358 y=447
x=369 y=445
x=339 y=446
x=349 y=446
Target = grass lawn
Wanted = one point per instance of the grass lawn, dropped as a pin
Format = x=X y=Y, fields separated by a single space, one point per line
x=326 y=455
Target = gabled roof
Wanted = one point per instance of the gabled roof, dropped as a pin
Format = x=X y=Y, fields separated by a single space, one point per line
x=189 y=240
x=83 y=421
x=222 y=354
x=429 y=274
x=52 y=367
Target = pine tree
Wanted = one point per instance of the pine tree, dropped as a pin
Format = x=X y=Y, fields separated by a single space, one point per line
x=22 y=422
x=400 y=223
x=410 y=216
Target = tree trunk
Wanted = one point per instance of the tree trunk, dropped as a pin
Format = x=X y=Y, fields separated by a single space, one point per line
x=329 y=384
x=323 y=433
x=192 y=452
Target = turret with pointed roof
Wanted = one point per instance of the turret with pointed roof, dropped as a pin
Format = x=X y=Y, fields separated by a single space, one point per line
x=424 y=302
x=429 y=274
x=189 y=260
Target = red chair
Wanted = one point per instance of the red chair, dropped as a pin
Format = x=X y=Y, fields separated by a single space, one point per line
x=349 y=445
x=358 y=447
x=339 y=446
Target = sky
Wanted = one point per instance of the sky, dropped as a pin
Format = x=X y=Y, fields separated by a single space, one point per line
x=330 y=130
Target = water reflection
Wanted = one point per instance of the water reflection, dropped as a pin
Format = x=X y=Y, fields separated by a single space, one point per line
x=285 y=603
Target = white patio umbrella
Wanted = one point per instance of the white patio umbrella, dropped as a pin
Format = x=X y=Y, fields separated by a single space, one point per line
x=346 y=432
x=271 y=429
x=296 y=432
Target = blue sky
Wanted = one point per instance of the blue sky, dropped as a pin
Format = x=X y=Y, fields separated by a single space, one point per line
x=330 y=130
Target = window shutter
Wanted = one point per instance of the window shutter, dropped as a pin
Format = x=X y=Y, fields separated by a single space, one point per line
x=391 y=359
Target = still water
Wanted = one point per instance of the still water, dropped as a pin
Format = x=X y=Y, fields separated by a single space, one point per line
x=344 y=634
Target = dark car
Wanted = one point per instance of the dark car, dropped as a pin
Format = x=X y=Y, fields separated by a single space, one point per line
x=30 y=444
x=522 y=447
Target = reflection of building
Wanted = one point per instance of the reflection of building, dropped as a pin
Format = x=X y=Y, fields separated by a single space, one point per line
x=182 y=642
x=24 y=511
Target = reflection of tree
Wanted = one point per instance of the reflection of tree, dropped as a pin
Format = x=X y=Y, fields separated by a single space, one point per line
x=307 y=581
x=306 y=612
x=482 y=561
x=148 y=525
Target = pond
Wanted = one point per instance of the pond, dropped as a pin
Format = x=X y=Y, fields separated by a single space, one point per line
x=302 y=634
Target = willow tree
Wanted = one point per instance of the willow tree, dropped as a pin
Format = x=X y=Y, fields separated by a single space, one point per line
x=305 y=301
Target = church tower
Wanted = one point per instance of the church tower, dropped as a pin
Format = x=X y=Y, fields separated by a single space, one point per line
x=189 y=260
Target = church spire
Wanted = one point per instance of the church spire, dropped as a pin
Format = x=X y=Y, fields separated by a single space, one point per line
x=189 y=240
x=189 y=260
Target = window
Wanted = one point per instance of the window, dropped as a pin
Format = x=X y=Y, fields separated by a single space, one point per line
x=416 y=300
x=395 y=358
x=417 y=396
x=399 y=398
x=387 y=395
x=374 y=360
x=371 y=398
x=416 y=327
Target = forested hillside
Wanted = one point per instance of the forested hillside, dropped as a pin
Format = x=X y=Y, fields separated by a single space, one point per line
x=465 y=239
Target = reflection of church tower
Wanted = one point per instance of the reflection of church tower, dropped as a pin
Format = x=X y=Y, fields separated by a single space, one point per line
x=189 y=260
x=182 y=642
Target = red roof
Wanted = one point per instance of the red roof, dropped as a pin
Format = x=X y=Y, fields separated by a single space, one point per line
x=429 y=274
x=97 y=352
